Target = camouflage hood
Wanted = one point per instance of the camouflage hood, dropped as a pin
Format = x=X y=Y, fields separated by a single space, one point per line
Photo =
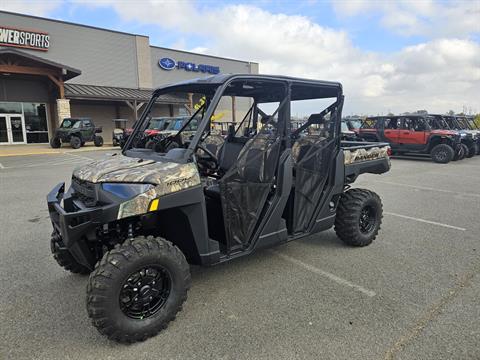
x=125 y=169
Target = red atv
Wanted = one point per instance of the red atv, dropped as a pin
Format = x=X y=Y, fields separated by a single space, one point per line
x=413 y=134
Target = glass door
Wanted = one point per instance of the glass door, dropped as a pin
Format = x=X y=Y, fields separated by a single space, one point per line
x=17 y=129
x=4 y=138
x=12 y=129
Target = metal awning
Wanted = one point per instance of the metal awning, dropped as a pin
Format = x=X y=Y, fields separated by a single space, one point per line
x=108 y=93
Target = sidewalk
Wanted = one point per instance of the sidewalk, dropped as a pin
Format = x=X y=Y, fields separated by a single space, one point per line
x=42 y=149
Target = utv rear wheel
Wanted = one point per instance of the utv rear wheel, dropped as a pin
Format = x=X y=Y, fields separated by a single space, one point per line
x=150 y=144
x=442 y=153
x=98 y=141
x=137 y=289
x=75 y=142
x=55 y=143
x=64 y=258
x=359 y=216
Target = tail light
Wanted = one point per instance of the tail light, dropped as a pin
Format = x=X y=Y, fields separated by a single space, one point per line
x=389 y=151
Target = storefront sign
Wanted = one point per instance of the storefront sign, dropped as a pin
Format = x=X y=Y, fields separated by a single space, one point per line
x=170 y=64
x=27 y=39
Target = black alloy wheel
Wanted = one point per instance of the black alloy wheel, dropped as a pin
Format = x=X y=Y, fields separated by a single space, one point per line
x=368 y=219
x=145 y=292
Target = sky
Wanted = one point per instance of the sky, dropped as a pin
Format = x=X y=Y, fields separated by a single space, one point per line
x=390 y=56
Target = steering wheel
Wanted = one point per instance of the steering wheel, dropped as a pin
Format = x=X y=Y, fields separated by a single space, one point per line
x=211 y=156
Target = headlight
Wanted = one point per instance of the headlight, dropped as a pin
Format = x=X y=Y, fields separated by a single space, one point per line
x=125 y=190
x=463 y=134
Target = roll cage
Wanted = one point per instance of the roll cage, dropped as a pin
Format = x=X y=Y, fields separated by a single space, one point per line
x=262 y=88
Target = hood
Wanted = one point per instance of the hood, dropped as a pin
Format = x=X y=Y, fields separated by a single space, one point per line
x=445 y=132
x=167 y=176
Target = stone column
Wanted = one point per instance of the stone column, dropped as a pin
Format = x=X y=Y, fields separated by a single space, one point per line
x=63 y=110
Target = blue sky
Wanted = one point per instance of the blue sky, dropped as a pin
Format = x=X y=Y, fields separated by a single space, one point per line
x=365 y=31
x=399 y=55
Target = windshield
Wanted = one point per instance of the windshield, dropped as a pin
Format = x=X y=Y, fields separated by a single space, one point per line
x=452 y=123
x=176 y=125
x=345 y=127
x=463 y=124
x=472 y=123
x=70 y=124
x=158 y=124
x=437 y=123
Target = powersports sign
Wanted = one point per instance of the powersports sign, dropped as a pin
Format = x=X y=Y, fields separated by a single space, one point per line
x=27 y=39
x=170 y=64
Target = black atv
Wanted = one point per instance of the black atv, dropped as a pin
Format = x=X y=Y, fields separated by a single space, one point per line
x=135 y=221
x=76 y=131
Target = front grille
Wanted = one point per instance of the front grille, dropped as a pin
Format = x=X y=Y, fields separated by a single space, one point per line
x=84 y=191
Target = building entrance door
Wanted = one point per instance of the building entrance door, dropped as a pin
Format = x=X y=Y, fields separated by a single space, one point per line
x=12 y=129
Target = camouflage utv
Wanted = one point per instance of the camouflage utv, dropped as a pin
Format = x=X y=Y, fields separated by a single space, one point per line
x=136 y=220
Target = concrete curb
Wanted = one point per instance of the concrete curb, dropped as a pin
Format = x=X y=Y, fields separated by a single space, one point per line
x=26 y=150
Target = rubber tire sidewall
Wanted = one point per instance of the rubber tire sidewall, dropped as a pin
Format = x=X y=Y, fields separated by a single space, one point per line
x=75 y=142
x=55 y=143
x=134 y=329
x=437 y=148
x=98 y=141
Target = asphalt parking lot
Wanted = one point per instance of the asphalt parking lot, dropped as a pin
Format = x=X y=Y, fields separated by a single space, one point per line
x=413 y=294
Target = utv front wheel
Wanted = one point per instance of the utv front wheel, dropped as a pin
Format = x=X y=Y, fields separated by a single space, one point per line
x=137 y=289
x=442 y=153
x=472 y=151
x=63 y=256
x=359 y=216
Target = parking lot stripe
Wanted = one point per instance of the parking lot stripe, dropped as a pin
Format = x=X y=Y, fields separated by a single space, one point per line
x=326 y=274
x=425 y=221
x=1 y=166
x=79 y=156
x=427 y=188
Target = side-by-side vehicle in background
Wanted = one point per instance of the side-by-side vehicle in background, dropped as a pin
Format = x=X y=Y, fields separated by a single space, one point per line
x=413 y=134
x=135 y=220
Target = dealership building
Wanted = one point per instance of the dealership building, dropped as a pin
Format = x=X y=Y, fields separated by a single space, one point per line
x=51 y=70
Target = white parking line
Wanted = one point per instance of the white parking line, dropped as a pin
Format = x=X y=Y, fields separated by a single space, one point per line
x=1 y=166
x=425 y=221
x=326 y=274
x=427 y=188
x=79 y=156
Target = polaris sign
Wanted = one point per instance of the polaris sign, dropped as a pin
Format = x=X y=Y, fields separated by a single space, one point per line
x=170 y=64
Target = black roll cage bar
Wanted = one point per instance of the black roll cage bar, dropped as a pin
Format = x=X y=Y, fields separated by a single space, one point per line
x=219 y=90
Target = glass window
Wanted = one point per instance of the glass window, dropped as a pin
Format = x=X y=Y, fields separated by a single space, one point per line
x=10 y=108
x=36 y=122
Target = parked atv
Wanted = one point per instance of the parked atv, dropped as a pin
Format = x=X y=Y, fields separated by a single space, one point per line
x=413 y=134
x=76 y=131
x=135 y=221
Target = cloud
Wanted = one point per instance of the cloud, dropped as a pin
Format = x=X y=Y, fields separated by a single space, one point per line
x=31 y=7
x=437 y=75
x=426 y=17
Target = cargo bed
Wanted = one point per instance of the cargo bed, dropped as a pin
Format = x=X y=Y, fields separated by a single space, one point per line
x=365 y=157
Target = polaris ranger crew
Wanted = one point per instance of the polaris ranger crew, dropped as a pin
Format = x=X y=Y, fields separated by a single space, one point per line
x=135 y=221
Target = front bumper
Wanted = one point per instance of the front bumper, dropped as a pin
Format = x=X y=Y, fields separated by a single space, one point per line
x=78 y=224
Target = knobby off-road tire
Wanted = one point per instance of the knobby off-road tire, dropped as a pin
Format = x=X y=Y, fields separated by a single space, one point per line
x=359 y=216
x=459 y=154
x=64 y=258
x=150 y=144
x=75 y=142
x=55 y=143
x=465 y=151
x=132 y=271
x=471 y=151
x=442 y=153
x=98 y=141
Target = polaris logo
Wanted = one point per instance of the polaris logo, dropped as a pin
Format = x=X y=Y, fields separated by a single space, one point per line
x=170 y=64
